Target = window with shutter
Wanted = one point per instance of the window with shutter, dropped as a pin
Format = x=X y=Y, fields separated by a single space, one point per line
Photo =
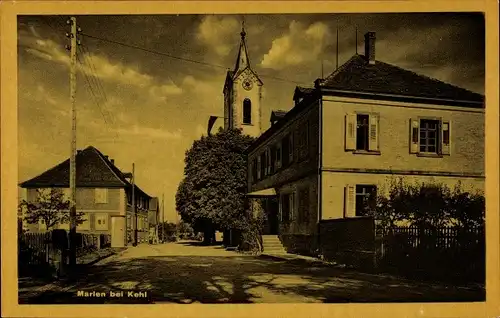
x=259 y=167
x=291 y=149
x=362 y=131
x=414 y=135
x=350 y=201
x=263 y=165
x=366 y=199
x=272 y=159
x=101 y=195
x=286 y=149
x=350 y=132
x=430 y=137
x=278 y=156
x=101 y=221
x=254 y=170
x=446 y=138
x=292 y=206
x=373 y=143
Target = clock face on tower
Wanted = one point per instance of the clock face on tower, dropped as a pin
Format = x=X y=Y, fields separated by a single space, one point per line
x=247 y=84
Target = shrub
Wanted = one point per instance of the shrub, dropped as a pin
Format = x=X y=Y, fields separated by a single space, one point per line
x=429 y=205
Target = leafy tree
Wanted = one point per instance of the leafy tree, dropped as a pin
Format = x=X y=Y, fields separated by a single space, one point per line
x=167 y=230
x=51 y=207
x=429 y=205
x=212 y=194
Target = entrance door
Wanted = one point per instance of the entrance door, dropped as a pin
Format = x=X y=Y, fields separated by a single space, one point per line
x=117 y=231
x=272 y=216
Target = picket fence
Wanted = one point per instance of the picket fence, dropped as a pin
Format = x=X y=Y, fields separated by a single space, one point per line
x=441 y=251
x=38 y=248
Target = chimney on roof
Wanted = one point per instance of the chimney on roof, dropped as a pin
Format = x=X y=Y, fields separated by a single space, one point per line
x=112 y=161
x=78 y=152
x=106 y=157
x=370 y=47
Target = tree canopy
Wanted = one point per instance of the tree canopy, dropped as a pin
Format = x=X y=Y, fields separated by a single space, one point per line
x=212 y=193
x=49 y=206
x=430 y=205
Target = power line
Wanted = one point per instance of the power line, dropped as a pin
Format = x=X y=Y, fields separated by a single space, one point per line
x=95 y=98
x=181 y=58
x=153 y=51
x=173 y=56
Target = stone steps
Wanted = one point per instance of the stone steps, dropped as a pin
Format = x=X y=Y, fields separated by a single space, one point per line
x=272 y=245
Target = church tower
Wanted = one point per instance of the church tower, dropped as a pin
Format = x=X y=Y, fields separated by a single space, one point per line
x=243 y=94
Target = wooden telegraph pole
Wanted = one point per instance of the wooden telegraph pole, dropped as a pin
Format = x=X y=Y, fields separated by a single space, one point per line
x=72 y=173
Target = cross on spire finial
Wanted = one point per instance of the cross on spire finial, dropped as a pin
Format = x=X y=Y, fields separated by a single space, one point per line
x=243 y=33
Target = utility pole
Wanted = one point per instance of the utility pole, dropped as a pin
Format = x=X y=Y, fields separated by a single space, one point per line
x=161 y=213
x=72 y=163
x=134 y=213
x=337 y=55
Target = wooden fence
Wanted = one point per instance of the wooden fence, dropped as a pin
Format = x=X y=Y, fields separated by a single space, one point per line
x=39 y=248
x=441 y=252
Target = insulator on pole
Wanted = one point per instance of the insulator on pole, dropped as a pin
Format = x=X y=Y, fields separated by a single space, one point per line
x=67 y=35
x=68 y=47
x=79 y=29
x=79 y=42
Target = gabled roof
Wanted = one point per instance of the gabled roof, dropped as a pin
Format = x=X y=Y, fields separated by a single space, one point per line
x=357 y=75
x=93 y=169
x=301 y=92
x=277 y=115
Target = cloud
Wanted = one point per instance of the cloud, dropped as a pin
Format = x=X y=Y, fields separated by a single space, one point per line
x=149 y=132
x=217 y=33
x=100 y=67
x=302 y=44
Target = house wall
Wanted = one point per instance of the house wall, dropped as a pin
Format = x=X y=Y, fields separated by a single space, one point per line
x=297 y=170
x=340 y=168
x=466 y=135
x=300 y=235
x=297 y=236
x=86 y=203
x=141 y=223
x=334 y=183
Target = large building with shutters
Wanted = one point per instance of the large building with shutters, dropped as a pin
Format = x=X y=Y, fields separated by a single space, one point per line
x=353 y=132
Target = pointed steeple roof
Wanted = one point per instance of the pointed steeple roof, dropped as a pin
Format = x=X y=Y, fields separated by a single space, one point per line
x=242 y=62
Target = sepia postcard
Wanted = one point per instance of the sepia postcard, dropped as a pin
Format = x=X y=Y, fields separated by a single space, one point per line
x=239 y=159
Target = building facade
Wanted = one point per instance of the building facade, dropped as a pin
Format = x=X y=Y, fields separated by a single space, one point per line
x=348 y=137
x=103 y=195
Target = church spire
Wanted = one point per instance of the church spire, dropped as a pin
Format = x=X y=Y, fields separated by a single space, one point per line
x=242 y=61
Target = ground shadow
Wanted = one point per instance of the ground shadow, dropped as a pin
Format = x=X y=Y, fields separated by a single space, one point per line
x=245 y=279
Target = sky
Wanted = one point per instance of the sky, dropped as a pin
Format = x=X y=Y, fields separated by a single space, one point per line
x=146 y=108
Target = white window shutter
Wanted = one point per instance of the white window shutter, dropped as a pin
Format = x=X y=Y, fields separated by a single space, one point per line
x=350 y=201
x=373 y=143
x=350 y=132
x=446 y=137
x=414 y=136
